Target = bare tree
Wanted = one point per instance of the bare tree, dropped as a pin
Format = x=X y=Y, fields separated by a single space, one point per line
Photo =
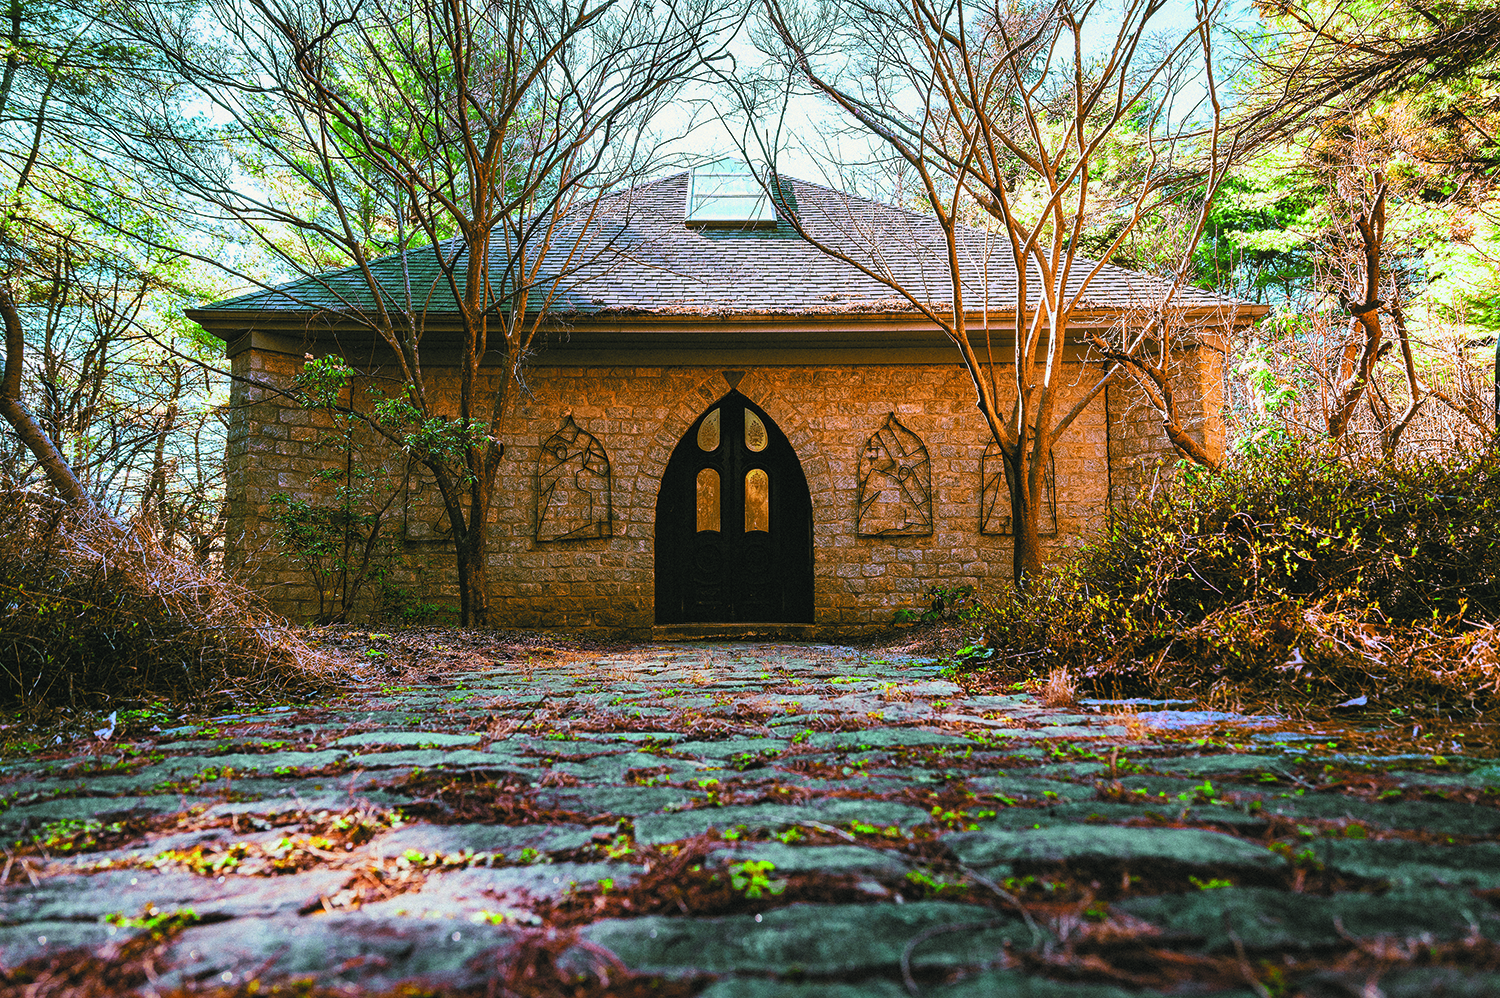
x=1009 y=114
x=435 y=153
x=1427 y=66
x=81 y=387
x=41 y=73
x=1355 y=268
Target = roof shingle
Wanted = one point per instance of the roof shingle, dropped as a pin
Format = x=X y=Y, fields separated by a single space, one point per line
x=634 y=254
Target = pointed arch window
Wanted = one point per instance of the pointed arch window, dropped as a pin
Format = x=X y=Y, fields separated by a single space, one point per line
x=994 y=498
x=895 y=484
x=573 y=486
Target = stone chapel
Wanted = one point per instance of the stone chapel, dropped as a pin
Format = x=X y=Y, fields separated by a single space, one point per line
x=722 y=430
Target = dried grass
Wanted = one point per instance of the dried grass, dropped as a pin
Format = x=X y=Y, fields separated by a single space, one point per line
x=92 y=612
x=1060 y=690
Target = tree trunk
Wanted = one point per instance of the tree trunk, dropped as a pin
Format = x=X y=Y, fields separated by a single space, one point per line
x=1027 y=563
x=481 y=493
x=1352 y=387
x=1184 y=442
x=468 y=516
x=154 y=502
x=59 y=473
x=1360 y=355
x=475 y=578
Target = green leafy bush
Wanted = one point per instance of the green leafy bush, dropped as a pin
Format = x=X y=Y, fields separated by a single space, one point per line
x=334 y=534
x=1288 y=571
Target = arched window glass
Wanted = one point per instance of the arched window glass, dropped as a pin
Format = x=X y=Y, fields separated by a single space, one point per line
x=708 y=432
x=708 y=500
x=755 y=432
x=757 y=500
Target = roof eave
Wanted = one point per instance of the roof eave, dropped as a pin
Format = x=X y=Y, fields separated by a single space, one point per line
x=227 y=323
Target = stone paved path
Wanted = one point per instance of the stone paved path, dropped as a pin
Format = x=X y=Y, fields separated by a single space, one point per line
x=752 y=820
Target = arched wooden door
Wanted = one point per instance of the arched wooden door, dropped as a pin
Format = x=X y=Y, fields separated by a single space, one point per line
x=734 y=523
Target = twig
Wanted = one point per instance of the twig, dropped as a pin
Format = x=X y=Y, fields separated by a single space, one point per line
x=1037 y=936
x=938 y=930
x=607 y=960
x=1245 y=971
x=830 y=830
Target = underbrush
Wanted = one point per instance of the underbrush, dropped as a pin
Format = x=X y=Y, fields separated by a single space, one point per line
x=1286 y=581
x=93 y=614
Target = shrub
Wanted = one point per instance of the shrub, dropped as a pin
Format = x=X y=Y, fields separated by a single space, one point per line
x=91 y=612
x=1289 y=573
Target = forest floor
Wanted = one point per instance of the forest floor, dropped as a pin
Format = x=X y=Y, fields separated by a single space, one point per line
x=490 y=815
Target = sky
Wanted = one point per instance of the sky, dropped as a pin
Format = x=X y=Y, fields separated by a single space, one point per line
x=815 y=135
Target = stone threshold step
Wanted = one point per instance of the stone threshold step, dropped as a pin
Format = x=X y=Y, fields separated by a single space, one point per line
x=733 y=632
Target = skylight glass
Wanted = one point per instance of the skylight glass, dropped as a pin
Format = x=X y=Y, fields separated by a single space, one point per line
x=727 y=194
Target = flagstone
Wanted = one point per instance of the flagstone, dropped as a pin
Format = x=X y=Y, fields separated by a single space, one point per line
x=1266 y=919
x=809 y=939
x=852 y=751
x=1184 y=847
x=657 y=828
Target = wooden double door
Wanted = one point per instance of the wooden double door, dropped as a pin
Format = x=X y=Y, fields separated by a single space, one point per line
x=734 y=523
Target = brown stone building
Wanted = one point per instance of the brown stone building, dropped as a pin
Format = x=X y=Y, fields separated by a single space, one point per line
x=723 y=424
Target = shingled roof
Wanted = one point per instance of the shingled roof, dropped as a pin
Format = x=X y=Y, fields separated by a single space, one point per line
x=631 y=253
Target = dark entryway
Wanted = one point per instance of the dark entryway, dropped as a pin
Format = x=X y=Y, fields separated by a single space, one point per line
x=734 y=523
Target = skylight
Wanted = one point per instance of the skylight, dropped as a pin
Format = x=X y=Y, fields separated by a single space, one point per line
x=725 y=194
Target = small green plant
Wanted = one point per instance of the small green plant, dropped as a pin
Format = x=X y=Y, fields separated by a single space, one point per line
x=159 y=924
x=750 y=760
x=398 y=605
x=204 y=862
x=1201 y=794
x=751 y=877
x=944 y=603
x=619 y=848
x=333 y=528
x=1212 y=884
x=927 y=881
x=70 y=835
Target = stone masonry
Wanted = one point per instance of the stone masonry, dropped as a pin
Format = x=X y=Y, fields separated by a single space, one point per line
x=654 y=310
x=639 y=414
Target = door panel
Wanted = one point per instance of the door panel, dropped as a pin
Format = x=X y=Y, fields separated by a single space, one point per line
x=734 y=523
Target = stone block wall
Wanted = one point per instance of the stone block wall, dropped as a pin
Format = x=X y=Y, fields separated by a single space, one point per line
x=1140 y=455
x=639 y=414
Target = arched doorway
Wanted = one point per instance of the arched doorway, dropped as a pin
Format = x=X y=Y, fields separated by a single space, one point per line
x=734 y=523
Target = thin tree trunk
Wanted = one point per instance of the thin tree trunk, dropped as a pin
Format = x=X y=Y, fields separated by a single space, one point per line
x=154 y=502
x=1027 y=563
x=1353 y=386
x=461 y=544
x=1359 y=356
x=59 y=473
